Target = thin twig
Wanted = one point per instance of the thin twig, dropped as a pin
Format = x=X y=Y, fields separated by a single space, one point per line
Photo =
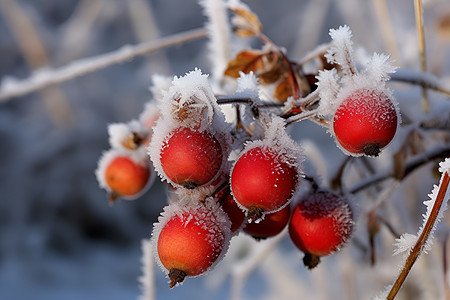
x=423 y=64
x=425 y=80
x=418 y=247
x=42 y=78
x=416 y=162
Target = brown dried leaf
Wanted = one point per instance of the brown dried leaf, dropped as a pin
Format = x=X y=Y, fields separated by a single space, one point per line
x=444 y=26
x=277 y=72
x=283 y=90
x=399 y=163
x=247 y=23
x=246 y=61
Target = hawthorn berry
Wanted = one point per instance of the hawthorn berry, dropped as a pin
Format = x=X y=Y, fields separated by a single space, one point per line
x=122 y=175
x=230 y=207
x=191 y=158
x=365 y=122
x=321 y=223
x=190 y=240
x=271 y=225
x=263 y=181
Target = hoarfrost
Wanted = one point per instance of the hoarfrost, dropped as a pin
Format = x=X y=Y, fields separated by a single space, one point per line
x=329 y=204
x=341 y=52
x=219 y=35
x=149 y=115
x=121 y=133
x=328 y=88
x=161 y=85
x=247 y=84
x=407 y=241
x=378 y=68
x=277 y=139
x=190 y=101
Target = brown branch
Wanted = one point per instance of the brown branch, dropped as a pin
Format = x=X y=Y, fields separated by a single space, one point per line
x=418 y=247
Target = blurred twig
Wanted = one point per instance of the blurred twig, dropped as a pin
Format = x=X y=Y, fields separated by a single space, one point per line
x=45 y=77
x=420 y=244
x=426 y=80
x=33 y=50
x=423 y=63
x=387 y=29
x=414 y=163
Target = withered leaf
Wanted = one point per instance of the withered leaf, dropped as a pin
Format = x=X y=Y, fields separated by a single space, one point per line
x=246 y=61
x=283 y=90
x=399 y=163
x=247 y=23
x=274 y=74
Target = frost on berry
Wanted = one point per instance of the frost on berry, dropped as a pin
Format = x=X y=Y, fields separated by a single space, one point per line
x=160 y=85
x=365 y=122
x=197 y=228
x=186 y=157
x=149 y=115
x=127 y=136
x=364 y=111
x=341 y=51
x=267 y=160
x=328 y=88
x=140 y=175
x=321 y=223
x=190 y=101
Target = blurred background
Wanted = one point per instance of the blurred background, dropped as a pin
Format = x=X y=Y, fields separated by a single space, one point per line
x=59 y=239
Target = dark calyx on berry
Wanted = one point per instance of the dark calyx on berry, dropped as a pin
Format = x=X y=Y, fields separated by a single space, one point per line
x=311 y=261
x=372 y=149
x=255 y=213
x=176 y=276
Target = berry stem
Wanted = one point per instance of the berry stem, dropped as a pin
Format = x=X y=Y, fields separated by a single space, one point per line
x=418 y=247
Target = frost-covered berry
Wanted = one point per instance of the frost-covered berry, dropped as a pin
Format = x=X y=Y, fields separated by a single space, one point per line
x=365 y=122
x=190 y=158
x=123 y=174
x=190 y=240
x=263 y=181
x=271 y=225
x=321 y=223
x=230 y=207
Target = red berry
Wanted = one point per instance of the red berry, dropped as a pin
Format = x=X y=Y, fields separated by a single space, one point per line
x=190 y=242
x=263 y=180
x=271 y=225
x=124 y=177
x=191 y=158
x=230 y=207
x=365 y=122
x=321 y=223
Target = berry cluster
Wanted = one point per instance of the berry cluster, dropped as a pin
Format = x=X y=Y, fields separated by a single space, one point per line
x=124 y=170
x=239 y=170
x=218 y=174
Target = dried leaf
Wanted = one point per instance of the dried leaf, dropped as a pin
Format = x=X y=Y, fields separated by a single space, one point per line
x=277 y=72
x=283 y=90
x=399 y=163
x=247 y=23
x=444 y=26
x=246 y=61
